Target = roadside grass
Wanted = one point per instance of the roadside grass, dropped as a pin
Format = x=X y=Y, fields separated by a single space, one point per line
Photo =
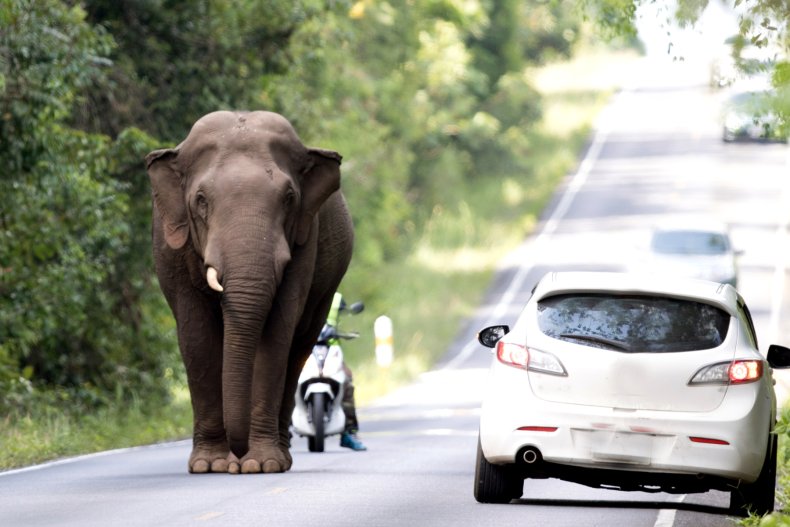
x=782 y=477
x=428 y=295
x=51 y=433
x=778 y=518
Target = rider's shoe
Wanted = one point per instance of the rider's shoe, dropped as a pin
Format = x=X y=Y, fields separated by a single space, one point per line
x=351 y=441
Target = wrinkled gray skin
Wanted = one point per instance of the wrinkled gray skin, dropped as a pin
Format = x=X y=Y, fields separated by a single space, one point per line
x=242 y=195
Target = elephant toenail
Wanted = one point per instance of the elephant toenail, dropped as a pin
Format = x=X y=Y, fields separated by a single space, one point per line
x=200 y=466
x=220 y=465
x=251 y=466
x=270 y=466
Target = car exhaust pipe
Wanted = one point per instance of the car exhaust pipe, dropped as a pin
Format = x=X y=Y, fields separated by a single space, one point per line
x=531 y=455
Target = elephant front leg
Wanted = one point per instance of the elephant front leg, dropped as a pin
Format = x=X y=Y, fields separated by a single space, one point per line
x=200 y=341
x=211 y=456
x=266 y=452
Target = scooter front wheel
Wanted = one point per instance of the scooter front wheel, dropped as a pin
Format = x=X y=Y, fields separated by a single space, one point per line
x=317 y=409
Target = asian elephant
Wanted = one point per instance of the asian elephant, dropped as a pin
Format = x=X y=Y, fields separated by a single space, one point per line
x=251 y=237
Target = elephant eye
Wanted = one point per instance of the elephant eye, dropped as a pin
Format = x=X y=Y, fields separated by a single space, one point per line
x=202 y=205
x=290 y=197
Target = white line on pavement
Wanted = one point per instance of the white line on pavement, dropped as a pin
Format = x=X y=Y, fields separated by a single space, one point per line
x=601 y=134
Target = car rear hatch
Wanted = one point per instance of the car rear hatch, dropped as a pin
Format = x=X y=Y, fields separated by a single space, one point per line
x=631 y=352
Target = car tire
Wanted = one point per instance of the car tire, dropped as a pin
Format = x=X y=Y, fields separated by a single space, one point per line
x=758 y=497
x=496 y=483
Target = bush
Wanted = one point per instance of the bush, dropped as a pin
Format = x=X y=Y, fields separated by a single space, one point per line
x=71 y=249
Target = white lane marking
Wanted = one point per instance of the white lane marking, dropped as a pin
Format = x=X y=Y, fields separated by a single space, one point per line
x=599 y=139
x=209 y=516
x=666 y=517
x=778 y=287
x=422 y=432
x=275 y=490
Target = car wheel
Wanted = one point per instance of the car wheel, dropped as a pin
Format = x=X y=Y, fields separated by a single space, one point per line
x=758 y=497
x=496 y=483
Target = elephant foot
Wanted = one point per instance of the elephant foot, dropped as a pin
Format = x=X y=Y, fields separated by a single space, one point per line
x=210 y=459
x=267 y=459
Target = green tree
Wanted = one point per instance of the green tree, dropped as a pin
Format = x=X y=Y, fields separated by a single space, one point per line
x=64 y=225
x=178 y=61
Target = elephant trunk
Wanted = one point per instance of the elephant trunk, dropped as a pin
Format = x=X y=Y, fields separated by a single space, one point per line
x=244 y=308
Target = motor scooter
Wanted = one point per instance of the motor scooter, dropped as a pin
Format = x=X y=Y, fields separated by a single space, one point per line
x=319 y=393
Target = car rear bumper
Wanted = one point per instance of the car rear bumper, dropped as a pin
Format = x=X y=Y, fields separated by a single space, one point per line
x=731 y=440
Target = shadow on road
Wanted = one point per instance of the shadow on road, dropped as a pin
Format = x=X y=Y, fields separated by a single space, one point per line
x=682 y=506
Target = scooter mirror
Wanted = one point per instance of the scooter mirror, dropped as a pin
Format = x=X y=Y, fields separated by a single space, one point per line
x=356 y=307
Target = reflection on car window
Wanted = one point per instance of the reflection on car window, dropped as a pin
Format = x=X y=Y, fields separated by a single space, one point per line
x=690 y=242
x=633 y=323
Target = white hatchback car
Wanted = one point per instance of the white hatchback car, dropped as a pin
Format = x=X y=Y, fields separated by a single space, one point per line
x=630 y=382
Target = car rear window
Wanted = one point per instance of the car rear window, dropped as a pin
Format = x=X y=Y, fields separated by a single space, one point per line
x=633 y=323
x=690 y=242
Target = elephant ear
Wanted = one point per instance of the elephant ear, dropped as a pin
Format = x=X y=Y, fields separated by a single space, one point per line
x=168 y=195
x=319 y=181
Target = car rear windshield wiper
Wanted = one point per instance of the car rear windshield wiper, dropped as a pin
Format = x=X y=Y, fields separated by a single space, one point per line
x=601 y=340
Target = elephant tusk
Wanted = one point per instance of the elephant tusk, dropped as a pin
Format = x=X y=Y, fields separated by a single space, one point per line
x=211 y=277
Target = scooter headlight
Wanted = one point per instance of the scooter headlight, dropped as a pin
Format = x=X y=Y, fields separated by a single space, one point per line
x=334 y=361
x=310 y=368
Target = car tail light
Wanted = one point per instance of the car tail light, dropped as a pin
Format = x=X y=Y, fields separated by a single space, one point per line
x=732 y=372
x=537 y=428
x=708 y=440
x=745 y=371
x=512 y=354
x=519 y=356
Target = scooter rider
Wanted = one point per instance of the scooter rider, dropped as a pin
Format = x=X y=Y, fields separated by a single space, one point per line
x=348 y=438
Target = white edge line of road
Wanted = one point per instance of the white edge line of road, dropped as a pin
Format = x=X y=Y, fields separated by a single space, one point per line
x=68 y=460
x=577 y=181
x=781 y=262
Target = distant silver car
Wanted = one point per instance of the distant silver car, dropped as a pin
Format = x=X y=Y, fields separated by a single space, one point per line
x=693 y=249
x=630 y=382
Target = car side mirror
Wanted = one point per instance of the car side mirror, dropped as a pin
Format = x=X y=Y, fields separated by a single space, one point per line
x=778 y=356
x=489 y=336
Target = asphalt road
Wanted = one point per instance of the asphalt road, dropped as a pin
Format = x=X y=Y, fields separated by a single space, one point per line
x=657 y=153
